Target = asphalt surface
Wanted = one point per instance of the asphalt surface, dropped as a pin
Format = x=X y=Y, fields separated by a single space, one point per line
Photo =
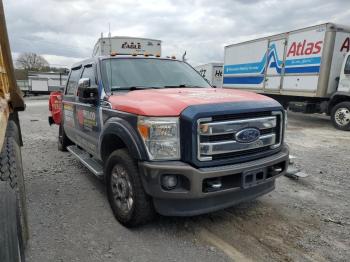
x=302 y=220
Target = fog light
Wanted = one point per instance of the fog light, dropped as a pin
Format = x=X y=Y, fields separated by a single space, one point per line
x=169 y=181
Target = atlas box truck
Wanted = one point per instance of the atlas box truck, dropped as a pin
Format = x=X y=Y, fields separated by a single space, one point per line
x=212 y=72
x=124 y=45
x=307 y=70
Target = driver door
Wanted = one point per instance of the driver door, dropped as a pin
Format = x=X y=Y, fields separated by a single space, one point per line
x=87 y=122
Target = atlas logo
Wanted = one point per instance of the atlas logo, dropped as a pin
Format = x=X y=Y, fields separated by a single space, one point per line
x=304 y=48
x=247 y=135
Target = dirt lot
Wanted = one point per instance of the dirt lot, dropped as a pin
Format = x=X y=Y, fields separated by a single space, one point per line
x=302 y=220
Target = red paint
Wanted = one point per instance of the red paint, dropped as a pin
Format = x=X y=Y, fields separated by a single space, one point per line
x=304 y=48
x=171 y=102
x=346 y=45
x=55 y=105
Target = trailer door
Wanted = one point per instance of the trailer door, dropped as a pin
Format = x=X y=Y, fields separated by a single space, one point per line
x=275 y=66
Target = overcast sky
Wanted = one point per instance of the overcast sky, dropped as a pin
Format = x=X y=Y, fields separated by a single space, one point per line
x=65 y=31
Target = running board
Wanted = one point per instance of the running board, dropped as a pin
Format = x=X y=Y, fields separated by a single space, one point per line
x=95 y=166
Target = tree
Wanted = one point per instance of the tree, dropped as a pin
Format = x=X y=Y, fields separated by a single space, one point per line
x=31 y=62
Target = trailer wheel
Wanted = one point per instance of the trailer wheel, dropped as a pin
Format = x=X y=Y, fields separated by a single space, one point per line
x=11 y=242
x=11 y=172
x=63 y=140
x=129 y=202
x=340 y=116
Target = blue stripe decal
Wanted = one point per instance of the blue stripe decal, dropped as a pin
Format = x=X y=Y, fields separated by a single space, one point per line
x=304 y=61
x=244 y=80
x=296 y=65
x=305 y=69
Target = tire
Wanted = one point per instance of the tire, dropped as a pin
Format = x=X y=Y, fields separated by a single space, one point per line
x=340 y=116
x=11 y=171
x=63 y=140
x=129 y=202
x=11 y=242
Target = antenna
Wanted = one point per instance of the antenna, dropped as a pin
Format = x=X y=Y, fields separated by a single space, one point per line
x=110 y=59
x=109 y=36
x=184 y=56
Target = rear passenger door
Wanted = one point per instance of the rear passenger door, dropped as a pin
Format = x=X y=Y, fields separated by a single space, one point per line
x=87 y=118
x=68 y=103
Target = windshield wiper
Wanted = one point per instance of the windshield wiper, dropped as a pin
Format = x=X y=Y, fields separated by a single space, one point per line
x=182 y=86
x=132 y=88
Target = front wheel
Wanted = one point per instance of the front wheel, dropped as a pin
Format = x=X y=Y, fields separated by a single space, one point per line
x=340 y=116
x=129 y=202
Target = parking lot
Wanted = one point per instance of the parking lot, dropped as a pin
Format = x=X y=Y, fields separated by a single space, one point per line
x=302 y=220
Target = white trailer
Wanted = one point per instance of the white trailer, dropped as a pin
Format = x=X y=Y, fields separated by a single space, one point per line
x=45 y=82
x=212 y=72
x=124 y=45
x=307 y=70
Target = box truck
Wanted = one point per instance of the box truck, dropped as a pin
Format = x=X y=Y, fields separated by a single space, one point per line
x=41 y=83
x=124 y=45
x=307 y=70
x=212 y=72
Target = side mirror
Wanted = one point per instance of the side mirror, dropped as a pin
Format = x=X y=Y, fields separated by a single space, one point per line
x=87 y=93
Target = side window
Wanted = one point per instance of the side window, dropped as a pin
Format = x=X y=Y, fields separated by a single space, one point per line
x=73 y=81
x=89 y=72
x=347 y=66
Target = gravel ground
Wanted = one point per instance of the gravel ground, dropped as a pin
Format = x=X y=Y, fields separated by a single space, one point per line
x=302 y=220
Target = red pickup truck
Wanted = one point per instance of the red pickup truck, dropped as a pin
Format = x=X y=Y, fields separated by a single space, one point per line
x=164 y=140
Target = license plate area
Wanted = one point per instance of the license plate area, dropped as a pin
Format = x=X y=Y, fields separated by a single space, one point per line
x=253 y=177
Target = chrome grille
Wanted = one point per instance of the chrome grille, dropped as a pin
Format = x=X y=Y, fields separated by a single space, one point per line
x=216 y=138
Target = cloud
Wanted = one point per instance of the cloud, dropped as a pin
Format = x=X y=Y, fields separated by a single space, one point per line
x=66 y=31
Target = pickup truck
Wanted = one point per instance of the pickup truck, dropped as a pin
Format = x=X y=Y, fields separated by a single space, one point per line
x=164 y=140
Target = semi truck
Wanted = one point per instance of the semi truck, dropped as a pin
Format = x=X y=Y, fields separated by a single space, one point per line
x=212 y=72
x=126 y=45
x=164 y=140
x=306 y=70
x=13 y=215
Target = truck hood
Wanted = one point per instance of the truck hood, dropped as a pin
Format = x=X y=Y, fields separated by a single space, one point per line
x=172 y=101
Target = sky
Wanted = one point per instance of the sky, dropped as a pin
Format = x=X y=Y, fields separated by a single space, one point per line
x=65 y=31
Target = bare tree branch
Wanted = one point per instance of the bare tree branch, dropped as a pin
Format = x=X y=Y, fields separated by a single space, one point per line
x=31 y=61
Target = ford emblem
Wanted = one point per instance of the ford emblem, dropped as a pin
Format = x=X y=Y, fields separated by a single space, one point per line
x=247 y=135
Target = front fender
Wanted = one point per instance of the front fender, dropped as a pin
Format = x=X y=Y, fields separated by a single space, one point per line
x=127 y=134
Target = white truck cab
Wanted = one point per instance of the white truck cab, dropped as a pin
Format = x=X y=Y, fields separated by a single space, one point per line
x=344 y=78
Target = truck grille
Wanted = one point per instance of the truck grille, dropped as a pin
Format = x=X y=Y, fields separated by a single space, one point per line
x=218 y=138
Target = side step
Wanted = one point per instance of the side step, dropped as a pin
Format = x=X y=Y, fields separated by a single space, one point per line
x=94 y=165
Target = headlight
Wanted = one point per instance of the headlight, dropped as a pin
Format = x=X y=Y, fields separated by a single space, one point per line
x=161 y=136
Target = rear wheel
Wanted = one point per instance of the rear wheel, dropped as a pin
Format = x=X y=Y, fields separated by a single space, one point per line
x=129 y=202
x=340 y=116
x=11 y=172
x=63 y=140
x=11 y=242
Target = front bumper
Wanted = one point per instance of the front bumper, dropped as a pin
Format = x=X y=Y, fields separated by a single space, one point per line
x=191 y=197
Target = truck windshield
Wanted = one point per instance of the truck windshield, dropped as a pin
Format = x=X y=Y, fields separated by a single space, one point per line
x=139 y=73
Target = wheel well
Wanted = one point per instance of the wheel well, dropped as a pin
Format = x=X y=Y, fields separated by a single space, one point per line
x=336 y=100
x=109 y=144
